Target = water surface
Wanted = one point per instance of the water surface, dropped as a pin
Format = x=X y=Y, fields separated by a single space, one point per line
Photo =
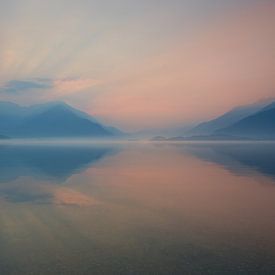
x=189 y=208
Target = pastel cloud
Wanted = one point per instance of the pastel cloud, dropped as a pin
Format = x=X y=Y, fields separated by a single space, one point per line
x=140 y=63
x=51 y=88
x=73 y=85
x=19 y=86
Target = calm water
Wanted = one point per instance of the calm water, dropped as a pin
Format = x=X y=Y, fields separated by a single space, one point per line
x=137 y=209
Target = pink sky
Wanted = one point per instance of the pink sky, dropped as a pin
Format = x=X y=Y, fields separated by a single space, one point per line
x=142 y=65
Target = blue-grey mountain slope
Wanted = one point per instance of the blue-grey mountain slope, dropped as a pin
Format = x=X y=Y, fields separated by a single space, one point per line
x=55 y=119
x=260 y=125
x=227 y=119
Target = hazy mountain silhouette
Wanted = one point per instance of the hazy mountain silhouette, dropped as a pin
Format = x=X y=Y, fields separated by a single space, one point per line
x=255 y=157
x=259 y=125
x=227 y=119
x=55 y=119
x=48 y=162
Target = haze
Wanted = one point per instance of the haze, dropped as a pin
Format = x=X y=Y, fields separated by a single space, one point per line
x=138 y=64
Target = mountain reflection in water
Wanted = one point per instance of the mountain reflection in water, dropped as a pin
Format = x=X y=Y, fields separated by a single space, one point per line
x=137 y=208
x=49 y=162
x=239 y=158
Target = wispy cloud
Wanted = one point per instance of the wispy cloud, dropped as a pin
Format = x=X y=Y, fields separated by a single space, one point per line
x=61 y=86
x=18 y=86
x=72 y=85
x=138 y=64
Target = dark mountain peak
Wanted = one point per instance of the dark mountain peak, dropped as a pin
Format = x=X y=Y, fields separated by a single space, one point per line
x=259 y=125
x=229 y=118
x=52 y=119
x=269 y=107
x=57 y=107
x=53 y=104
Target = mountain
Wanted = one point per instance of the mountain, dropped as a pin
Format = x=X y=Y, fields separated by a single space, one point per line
x=54 y=119
x=260 y=125
x=227 y=119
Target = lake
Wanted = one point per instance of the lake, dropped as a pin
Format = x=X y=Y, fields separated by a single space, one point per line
x=137 y=208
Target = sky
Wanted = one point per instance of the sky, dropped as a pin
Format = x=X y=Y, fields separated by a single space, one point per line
x=138 y=64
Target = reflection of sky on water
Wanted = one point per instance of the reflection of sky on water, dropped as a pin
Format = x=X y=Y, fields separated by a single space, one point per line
x=146 y=210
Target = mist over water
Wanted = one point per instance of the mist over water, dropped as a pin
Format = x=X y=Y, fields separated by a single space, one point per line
x=137 y=208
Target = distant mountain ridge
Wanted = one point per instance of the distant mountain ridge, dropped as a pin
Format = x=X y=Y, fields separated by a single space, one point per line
x=54 y=119
x=250 y=122
x=260 y=125
x=227 y=119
